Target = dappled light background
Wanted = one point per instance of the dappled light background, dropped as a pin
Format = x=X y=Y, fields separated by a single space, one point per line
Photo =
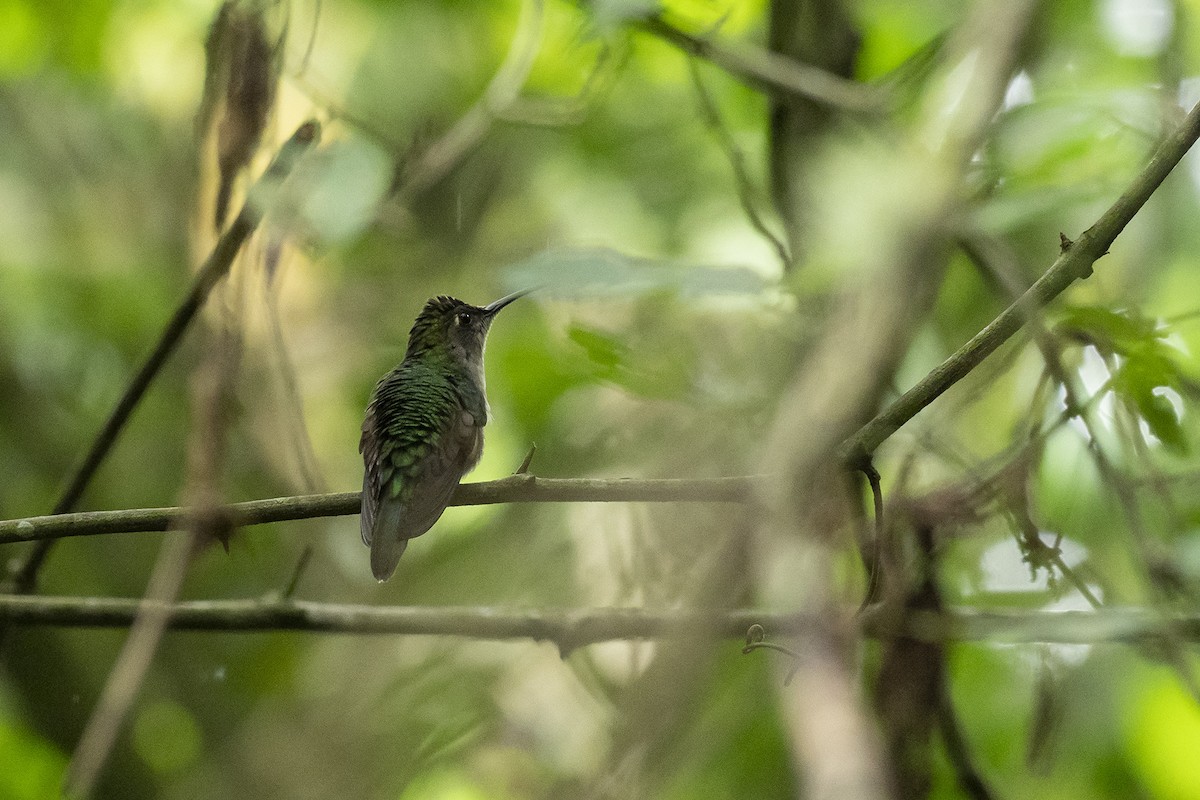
x=615 y=176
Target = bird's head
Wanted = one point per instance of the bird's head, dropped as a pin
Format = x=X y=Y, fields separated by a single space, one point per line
x=448 y=325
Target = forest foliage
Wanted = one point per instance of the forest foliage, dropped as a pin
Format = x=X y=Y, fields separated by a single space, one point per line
x=714 y=254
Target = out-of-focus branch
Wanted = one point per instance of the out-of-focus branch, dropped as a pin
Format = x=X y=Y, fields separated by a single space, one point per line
x=747 y=195
x=771 y=72
x=502 y=93
x=870 y=327
x=1074 y=263
x=24 y=576
x=513 y=489
x=820 y=35
x=586 y=626
x=211 y=415
x=148 y=618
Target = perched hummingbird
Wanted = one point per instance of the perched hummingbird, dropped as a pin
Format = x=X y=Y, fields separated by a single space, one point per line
x=424 y=427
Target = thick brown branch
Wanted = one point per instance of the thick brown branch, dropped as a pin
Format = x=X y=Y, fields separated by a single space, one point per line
x=1075 y=262
x=572 y=628
x=513 y=489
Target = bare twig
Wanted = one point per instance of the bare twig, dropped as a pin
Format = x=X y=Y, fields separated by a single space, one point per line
x=563 y=110
x=756 y=640
x=875 y=565
x=523 y=469
x=958 y=751
x=291 y=410
x=298 y=573
x=521 y=488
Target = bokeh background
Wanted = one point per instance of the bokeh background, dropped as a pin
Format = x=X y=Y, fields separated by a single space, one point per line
x=669 y=325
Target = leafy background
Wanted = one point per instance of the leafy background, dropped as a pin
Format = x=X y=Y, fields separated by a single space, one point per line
x=658 y=349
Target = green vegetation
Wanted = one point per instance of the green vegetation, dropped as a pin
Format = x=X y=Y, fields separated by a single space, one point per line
x=753 y=226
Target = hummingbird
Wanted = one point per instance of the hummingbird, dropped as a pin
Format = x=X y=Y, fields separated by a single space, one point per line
x=424 y=427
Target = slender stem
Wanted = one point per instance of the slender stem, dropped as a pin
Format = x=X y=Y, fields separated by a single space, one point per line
x=521 y=488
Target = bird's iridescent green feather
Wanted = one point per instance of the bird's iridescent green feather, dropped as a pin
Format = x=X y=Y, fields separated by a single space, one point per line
x=424 y=427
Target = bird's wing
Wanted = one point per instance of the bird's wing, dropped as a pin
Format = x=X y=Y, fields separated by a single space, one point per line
x=368 y=445
x=414 y=458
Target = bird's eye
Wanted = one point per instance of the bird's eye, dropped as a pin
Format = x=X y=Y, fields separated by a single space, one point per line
x=462 y=319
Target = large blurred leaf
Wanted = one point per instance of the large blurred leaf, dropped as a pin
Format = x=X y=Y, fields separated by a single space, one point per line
x=595 y=272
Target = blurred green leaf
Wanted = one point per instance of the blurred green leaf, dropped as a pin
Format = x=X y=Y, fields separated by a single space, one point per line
x=30 y=767
x=341 y=188
x=166 y=736
x=1145 y=364
x=611 y=14
x=1162 y=731
x=1138 y=379
x=603 y=350
x=601 y=272
x=1111 y=331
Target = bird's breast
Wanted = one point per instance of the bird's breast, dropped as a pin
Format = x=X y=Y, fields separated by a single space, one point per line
x=470 y=434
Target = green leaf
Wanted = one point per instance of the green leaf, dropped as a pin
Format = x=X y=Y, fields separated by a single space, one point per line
x=602 y=349
x=1137 y=380
x=1159 y=414
x=341 y=187
x=1120 y=332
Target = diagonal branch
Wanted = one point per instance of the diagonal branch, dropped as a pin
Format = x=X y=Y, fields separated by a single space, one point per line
x=1074 y=263
x=513 y=489
x=502 y=92
x=771 y=72
x=215 y=268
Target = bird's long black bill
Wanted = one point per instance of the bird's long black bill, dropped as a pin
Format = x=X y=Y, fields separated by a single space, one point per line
x=494 y=307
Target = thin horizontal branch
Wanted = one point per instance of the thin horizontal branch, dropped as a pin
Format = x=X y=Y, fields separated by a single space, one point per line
x=575 y=627
x=771 y=72
x=513 y=489
x=1074 y=263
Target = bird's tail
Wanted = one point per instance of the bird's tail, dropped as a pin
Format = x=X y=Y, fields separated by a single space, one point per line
x=387 y=545
x=385 y=555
